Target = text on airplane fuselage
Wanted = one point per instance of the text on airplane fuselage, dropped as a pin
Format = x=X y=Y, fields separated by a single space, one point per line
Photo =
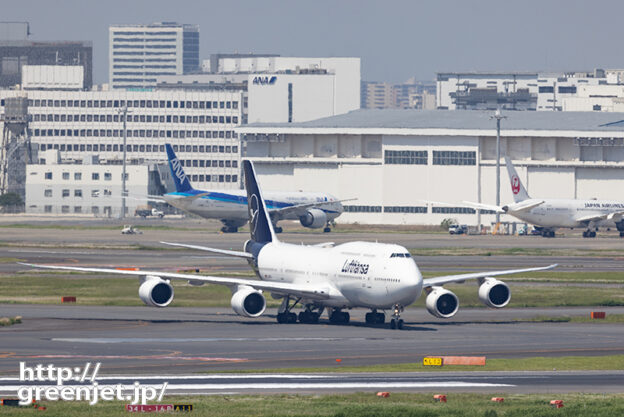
x=354 y=267
x=604 y=205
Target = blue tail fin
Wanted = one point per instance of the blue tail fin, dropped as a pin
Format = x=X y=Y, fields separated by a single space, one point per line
x=260 y=224
x=180 y=179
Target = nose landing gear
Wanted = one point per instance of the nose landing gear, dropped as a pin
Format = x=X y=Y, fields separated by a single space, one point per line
x=397 y=322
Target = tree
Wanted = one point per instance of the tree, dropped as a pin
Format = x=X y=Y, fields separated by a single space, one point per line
x=10 y=199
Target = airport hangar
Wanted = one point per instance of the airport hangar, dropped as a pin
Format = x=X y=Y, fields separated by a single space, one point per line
x=396 y=161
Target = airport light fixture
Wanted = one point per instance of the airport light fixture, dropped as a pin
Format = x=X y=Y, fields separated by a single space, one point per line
x=124 y=114
x=498 y=116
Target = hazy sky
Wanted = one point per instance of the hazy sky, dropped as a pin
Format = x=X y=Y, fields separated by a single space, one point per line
x=395 y=39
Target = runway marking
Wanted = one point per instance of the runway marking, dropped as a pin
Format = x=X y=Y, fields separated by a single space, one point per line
x=300 y=386
x=208 y=339
x=168 y=357
x=211 y=376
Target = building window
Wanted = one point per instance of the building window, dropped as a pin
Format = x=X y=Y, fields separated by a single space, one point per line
x=567 y=90
x=48 y=175
x=77 y=209
x=65 y=209
x=452 y=210
x=546 y=89
x=362 y=209
x=454 y=158
x=47 y=193
x=108 y=176
x=78 y=193
x=65 y=193
x=65 y=175
x=406 y=157
x=47 y=209
x=405 y=209
x=95 y=193
x=95 y=210
x=95 y=176
x=77 y=176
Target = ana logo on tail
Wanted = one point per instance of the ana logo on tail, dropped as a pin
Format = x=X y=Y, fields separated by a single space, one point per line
x=515 y=184
x=177 y=170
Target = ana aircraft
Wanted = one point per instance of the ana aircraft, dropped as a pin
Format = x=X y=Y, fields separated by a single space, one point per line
x=375 y=276
x=549 y=214
x=313 y=210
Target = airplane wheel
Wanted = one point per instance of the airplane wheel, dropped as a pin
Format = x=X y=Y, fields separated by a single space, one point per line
x=400 y=324
x=281 y=318
x=592 y=234
x=381 y=318
x=326 y=230
x=585 y=233
x=393 y=324
x=292 y=318
x=346 y=318
x=621 y=234
x=278 y=230
x=369 y=318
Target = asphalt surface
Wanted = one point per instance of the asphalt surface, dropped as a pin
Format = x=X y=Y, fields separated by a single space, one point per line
x=175 y=341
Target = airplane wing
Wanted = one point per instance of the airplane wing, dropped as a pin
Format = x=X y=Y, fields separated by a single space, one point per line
x=598 y=217
x=525 y=205
x=299 y=290
x=214 y=250
x=447 y=279
x=301 y=209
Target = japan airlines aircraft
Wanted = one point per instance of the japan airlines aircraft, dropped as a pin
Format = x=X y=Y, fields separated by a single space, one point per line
x=549 y=214
x=375 y=276
x=313 y=210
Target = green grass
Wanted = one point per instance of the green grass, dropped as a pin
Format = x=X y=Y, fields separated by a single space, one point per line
x=9 y=321
x=471 y=251
x=363 y=404
x=46 y=287
x=561 y=363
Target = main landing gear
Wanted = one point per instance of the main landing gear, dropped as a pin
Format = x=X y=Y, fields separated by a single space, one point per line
x=284 y=315
x=339 y=317
x=375 y=318
x=592 y=233
x=397 y=322
x=548 y=233
x=309 y=316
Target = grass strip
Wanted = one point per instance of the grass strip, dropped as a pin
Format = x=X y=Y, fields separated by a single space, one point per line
x=363 y=404
x=9 y=321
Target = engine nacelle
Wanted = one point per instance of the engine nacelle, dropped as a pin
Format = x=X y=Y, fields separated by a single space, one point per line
x=442 y=303
x=314 y=219
x=248 y=302
x=156 y=292
x=494 y=293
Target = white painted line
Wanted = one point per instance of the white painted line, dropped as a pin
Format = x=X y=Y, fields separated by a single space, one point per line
x=202 y=339
x=211 y=376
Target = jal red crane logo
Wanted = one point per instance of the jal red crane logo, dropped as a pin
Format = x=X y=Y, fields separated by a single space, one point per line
x=515 y=184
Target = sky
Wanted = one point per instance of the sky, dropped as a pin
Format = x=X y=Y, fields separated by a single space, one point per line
x=396 y=40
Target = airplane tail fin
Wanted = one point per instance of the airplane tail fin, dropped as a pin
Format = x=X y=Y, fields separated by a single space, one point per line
x=180 y=179
x=260 y=224
x=518 y=190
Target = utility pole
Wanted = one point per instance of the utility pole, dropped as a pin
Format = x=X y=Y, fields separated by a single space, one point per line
x=498 y=116
x=124 y=114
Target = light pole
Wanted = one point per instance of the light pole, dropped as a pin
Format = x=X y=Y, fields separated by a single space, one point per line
x=124 y=114
x=498 y=116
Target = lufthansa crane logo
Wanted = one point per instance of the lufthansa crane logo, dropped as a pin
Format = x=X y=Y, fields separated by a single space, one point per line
x=254 y=209
x=515 y=184
x=177 y=170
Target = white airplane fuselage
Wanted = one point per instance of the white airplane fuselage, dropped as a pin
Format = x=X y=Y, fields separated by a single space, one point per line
x=567 y=212
x=355 y=274
x=232 y=204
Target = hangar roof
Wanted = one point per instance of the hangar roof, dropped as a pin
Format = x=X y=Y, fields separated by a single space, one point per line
x=456 y=120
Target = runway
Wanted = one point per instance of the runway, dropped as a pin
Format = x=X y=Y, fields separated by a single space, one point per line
x=494 y=382
x=132 y=340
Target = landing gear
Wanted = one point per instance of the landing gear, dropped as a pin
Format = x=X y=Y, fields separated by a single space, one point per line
x=231 y=226
x=284 y=314
x=277 y=229
x=229 y=229
x=592 y=233
x=375 y=318
x=326 y=230
x=621 y=234
x=397 y=322
x=548 y=233
x=339 y=317
x=309 y=317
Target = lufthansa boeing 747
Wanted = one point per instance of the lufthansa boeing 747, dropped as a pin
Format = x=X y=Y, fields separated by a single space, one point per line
x=336 y=278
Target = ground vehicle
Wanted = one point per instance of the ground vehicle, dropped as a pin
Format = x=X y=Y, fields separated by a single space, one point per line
x=457 y=229
x=145 y=211
x=129 y=229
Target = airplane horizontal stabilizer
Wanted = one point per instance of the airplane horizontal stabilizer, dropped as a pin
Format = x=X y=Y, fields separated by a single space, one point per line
x=214 y=250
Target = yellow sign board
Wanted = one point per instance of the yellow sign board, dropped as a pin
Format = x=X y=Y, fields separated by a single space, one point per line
x=432 y=361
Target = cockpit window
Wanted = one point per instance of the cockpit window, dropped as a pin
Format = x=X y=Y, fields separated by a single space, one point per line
x=400 y=255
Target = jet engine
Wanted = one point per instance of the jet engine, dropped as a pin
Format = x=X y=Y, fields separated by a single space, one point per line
x=494 y=293
x=442 y=303
x=156 y=292
x=248 y=302
x=314 y=219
